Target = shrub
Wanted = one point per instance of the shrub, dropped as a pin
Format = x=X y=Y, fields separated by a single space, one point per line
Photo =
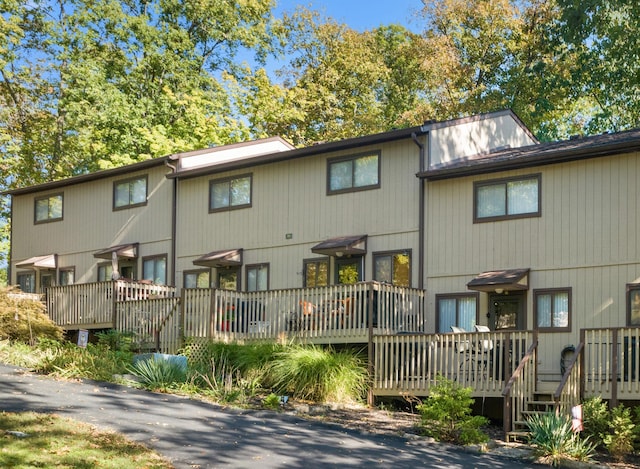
x=158 y=374
x=24 y=320
x=116 y=340
x=272 y=401
x=619 y=440
x=446 y=414
x=317 y=374
x=595 y=419
x=554 y=440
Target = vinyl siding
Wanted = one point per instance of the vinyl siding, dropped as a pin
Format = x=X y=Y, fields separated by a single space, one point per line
x=585 y=239
x=291 y=197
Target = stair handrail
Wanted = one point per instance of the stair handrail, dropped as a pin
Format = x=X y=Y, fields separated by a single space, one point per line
x=529 y=356
x=172 y=309
x=568 y=393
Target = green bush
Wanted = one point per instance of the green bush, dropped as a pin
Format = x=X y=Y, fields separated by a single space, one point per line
x=24 y=320
x=446 y=414
x=272 y=401
x=317 y=374
x=554 y=440
x=595 y=419
x=116 y=340
x=619 y=440
x=157 y=374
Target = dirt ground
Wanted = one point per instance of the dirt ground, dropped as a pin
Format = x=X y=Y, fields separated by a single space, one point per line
x=376 y=420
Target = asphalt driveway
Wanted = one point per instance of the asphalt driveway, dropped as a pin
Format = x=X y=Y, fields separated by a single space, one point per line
x=194 y=434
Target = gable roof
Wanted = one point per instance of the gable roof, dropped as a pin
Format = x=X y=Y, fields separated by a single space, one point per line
x=538 y=154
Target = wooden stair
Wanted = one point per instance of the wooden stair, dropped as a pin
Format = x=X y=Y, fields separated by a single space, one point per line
x=542 y=403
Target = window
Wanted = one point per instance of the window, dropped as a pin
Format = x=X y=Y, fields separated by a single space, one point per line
x=393 y=268
x=228 y=278
x=27 y=282
x=230 y=193
x=316 y=273
x=155 y=269
x=47 y=279
x=358 y=172
x=130 y=193
x=48 y=209
x=257 y=277
x=349 y=271
x=104 y=272
x=633 y=304
x=67 y=276
x=553 y=309
x=197 y=279
x=507 y=198
x=460 y=310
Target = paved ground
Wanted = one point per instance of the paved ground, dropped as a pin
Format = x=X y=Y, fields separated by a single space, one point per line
x=195 y=434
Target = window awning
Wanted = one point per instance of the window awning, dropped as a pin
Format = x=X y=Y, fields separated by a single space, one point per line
x=49 y=261
x=342 y=246
x=125 y=251
x=226 y=258
x=501 y=280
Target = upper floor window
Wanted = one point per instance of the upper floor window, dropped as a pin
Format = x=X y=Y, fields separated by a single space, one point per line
x=393 y=268
x=230 y=193
x=633 y=304
x=130 y=192
x=67 y=276
x=501 y=199
x=552 y=309
x=155 y=269
x=459 y=310
x=353 y=173
x=316 y=272
x=48 y=208
x=258 y=277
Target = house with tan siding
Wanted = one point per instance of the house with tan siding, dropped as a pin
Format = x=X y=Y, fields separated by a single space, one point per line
x=463 y=248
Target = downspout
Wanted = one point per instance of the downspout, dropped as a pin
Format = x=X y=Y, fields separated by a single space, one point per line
x=421 y=217
x=9 y=278
x=174 y=215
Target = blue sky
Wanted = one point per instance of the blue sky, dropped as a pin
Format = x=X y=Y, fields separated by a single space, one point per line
x=363 y=14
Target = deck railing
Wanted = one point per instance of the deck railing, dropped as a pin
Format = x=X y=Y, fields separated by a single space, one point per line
x=154 y=323
x=92 y=304
x=339 y=313
x=520 y=388
x=409 y=364
x=568 y=394
x=611 y=366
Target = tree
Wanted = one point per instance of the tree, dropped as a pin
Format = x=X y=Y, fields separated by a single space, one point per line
x=604 y=36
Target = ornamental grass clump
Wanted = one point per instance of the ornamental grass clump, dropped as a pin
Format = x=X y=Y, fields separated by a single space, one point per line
x=313 y=373
x=554 y=440
x=157 y=374
x=446 y=414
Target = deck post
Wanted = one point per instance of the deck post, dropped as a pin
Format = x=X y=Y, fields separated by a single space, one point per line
x=614 y=369
x=582 y=365
x=370 y=357
x=114 y=299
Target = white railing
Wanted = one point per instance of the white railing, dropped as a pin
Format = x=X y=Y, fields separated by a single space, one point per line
x=339 y=313
x=611 y=363
x=92 y=304
x=409 y=364
x=155 y=323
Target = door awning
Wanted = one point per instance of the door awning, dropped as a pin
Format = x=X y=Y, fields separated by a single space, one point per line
x=501 y=280
x=342 y=246
x=124 y=251
x=39 y=262
x=225 y=258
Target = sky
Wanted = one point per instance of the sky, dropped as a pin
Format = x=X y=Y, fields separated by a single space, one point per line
x=363 y=14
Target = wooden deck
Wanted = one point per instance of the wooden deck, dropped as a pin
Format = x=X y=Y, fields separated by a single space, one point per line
x=404 y=359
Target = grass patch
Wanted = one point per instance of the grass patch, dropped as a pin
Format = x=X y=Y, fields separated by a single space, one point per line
x=54 y=441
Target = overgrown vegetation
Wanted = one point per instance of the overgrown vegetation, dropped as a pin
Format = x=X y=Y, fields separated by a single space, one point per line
x=554 y=440
x=614 y=430
x=318 y=374
x=41 y=440
x=24 y=320
x=446 y=414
